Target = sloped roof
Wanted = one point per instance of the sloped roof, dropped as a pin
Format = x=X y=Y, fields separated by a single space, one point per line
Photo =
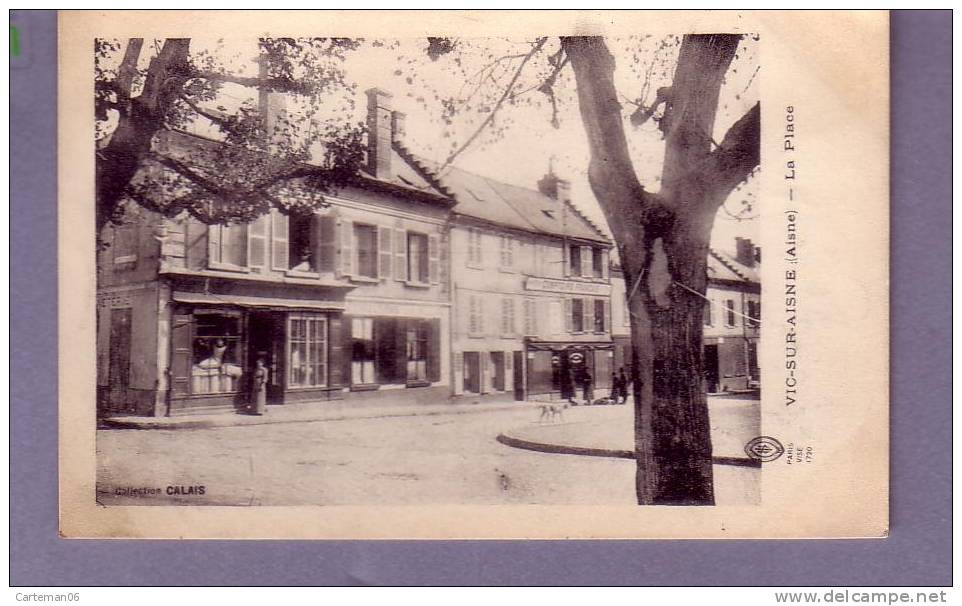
x=723 y=266
x=486 y=199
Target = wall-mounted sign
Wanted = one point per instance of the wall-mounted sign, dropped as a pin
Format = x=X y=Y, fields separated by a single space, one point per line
x=567 y=286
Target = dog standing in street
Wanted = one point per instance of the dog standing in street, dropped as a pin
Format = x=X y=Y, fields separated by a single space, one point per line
x=552 y=411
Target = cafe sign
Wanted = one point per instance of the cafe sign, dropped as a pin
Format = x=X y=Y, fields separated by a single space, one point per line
x=567 y=286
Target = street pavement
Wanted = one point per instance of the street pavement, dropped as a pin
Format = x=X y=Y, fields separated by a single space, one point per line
x=399 y=460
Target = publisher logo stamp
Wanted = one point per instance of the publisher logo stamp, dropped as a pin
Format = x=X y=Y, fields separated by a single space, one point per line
x=764 y=449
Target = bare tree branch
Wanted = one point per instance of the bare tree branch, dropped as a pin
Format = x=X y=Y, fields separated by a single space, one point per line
x=497 y=106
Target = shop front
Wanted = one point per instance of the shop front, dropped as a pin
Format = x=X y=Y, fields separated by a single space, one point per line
x=558 y=370
x=219 y=330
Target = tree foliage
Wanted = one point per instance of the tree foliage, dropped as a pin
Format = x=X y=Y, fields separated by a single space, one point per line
x=145 y=90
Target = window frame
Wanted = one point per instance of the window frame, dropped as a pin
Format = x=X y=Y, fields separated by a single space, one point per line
x=358 y=274
x=308 y=319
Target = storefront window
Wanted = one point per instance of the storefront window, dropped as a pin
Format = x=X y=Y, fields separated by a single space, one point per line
x=307 y=351
x=362 y=351
x=216 y=354
x=417 y=352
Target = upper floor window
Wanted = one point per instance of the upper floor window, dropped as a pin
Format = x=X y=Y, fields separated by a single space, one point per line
x=474 y=247
x=754 y=313
x=507 y=316
x=125 y=245
x=574 y=253
x=729 y=312
x=417 y=245
x=302 y=243
x=709 y=312
x=577 y=315
x=507 y=252
x=475 y=315
x=599 y=317
x=597 y=262
x=365 y=239
x=227 y=244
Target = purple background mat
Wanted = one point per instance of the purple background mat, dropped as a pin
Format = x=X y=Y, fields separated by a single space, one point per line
x=918 y=552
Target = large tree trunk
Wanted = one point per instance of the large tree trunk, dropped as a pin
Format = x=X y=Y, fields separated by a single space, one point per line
x=663 y=243
x=140 y=118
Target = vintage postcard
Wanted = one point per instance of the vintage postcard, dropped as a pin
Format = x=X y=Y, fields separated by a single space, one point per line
x=464 y=274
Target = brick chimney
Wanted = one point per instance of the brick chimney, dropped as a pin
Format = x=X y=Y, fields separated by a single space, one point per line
x=397 y=126
x=554 y=187
x=272 y=107
x=380 y=132
x=745 y=252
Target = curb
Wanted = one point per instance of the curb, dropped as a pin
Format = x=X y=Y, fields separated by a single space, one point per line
x=242 y=420
x=605 y=452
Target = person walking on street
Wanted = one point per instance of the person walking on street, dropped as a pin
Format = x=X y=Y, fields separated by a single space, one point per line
x=586 y=386
x=623 y=383
x=260 y=387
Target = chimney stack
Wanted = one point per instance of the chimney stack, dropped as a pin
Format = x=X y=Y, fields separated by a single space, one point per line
x=272 y=107
x=554 y=187
x=745 y=252
x=380 y=132
x=397 y=126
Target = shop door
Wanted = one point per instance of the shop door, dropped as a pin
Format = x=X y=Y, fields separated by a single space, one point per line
x=472 y=372
x=118 y=377
x=518 y=375
x=711 y=368
x=266 y=338
x=497 y=361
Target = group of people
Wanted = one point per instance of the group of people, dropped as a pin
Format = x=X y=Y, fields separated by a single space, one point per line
x=583 y=379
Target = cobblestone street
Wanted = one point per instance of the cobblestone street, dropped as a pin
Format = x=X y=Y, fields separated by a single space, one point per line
x=409 y=460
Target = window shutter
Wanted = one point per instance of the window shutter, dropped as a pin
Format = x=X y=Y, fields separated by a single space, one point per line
x=566 y=259
x=335 y=364
x=214 y=235
x=347 y=350
x=195 y=243
x=326 y=250
x=279 y=239
x=400 y=255
x=385 y=253
x=433 y=259
x=569 y=317
x=348 y=259
x=607 y=323
x=401 y=350
x=587 y=262
x=181 y=351
x=604 y=264
x=257 y=242
x=434 y=349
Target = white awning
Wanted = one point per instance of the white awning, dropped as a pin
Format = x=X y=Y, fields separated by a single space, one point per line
x=263 y=302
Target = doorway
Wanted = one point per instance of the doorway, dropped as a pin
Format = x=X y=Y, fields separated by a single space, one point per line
x=518 y=375
x=497 y=361
x=711 y=368
x=472 y=372
x=118 y=373
x=266 y=338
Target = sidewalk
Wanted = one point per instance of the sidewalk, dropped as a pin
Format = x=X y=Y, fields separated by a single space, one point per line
x=305 y=412
x=608 y=431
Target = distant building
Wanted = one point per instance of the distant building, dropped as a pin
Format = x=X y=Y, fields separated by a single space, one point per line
x=530 y=289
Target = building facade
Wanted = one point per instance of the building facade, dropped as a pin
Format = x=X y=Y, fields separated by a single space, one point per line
x=530 y=290
x=351 y=300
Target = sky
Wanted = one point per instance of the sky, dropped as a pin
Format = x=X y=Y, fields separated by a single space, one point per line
x=521 y=143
